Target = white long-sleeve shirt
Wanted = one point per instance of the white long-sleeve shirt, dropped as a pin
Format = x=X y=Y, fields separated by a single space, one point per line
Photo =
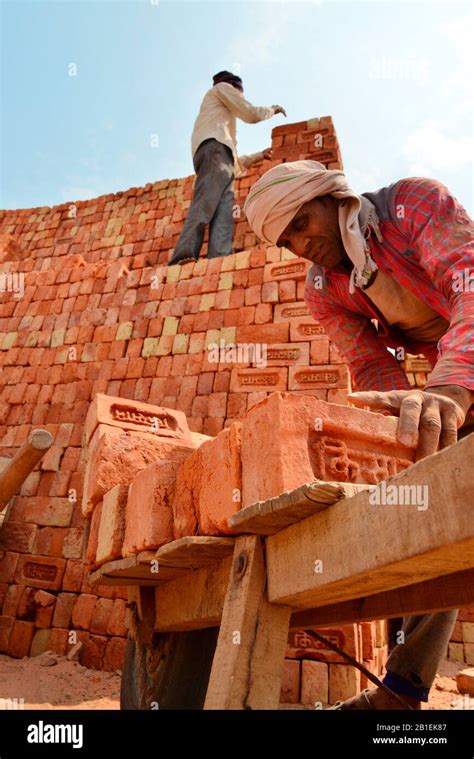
x=220 y=108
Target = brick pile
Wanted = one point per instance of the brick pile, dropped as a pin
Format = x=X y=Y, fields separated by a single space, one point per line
x=314 y=676
x=150 y=480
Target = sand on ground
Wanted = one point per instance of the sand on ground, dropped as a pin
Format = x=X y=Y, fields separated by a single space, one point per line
x=52 y=682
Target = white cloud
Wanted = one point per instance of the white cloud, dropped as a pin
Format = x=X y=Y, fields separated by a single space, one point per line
x=429 y=150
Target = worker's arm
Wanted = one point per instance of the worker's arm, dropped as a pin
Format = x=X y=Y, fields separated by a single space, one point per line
x=441 y=234
x=252 y=158
x=234 y=100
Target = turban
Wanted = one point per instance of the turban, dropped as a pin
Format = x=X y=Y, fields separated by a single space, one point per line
x=226 y=76
x=275 y=199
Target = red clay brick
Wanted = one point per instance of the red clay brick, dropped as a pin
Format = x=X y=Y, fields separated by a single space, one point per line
x=115 y=456
x=17 y=536
x=148 y=515
x=290 y=682
x=100 y=616
x=116 y=622
x=114 y=654
x=21 y=638
x=63 y=610
x=72 y=579
x=44 y=616
x=94 y=651
x=91 y=550
x=221 y=488
x=314 y=377
x=344 y=682
x=112 y=524
x=12 y=600
x=40 y=571
x=42 y=510
x=186 y=494
x=314 y=683
x=83 y=610
x=6 y=627
x=328 y=442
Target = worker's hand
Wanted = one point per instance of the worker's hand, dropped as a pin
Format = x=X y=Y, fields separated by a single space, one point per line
x=428 y=418
x=267 y=154
x=279 y=109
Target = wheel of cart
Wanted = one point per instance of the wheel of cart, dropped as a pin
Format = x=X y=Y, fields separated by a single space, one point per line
x=165 y=670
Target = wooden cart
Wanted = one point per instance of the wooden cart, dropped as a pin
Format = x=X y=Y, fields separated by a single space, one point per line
x=209 y=616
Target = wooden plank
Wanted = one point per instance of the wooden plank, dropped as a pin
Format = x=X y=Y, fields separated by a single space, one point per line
x=194 y=601
x=194 y=552
x=447 y=592
x=366 y=548
x=248 y=662
x=270 y=516
x=134 y=570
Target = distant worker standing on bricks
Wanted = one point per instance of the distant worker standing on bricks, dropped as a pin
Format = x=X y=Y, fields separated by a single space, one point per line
x=216 y=163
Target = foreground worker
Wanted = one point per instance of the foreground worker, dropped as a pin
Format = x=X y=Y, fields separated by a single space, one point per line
x=402 y=256
x=215 y=160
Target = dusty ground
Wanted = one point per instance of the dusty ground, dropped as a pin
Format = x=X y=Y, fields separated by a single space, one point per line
x=64 y=685
x=68 y=685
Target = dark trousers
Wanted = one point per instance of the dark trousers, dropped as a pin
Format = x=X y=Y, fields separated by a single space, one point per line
x=211 y=204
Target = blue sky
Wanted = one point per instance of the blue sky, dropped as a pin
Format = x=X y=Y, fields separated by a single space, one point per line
x=393 y=75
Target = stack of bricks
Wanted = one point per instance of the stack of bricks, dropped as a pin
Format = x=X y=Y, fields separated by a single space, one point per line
x=194 y=484
x=314 y=676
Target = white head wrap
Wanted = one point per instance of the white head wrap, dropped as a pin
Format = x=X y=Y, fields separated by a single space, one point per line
x=277 y=196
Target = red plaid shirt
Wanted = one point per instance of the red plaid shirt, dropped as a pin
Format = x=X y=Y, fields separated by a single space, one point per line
x=430 y=251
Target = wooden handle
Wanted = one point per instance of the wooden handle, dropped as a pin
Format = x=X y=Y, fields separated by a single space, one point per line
x=22 y=463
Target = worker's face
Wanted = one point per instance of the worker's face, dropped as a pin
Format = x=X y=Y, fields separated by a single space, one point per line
x=314 y=233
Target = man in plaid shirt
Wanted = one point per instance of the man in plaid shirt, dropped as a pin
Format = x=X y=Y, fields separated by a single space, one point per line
x=391 y=269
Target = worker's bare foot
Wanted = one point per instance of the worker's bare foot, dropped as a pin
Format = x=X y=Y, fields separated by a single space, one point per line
x=378 y=699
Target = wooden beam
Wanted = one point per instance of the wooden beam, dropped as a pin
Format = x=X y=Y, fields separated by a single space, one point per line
x=447 y=592
x=23 y=462
x=193 y=601
x=366 y=548
x=248 y=662
x=268 y=517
